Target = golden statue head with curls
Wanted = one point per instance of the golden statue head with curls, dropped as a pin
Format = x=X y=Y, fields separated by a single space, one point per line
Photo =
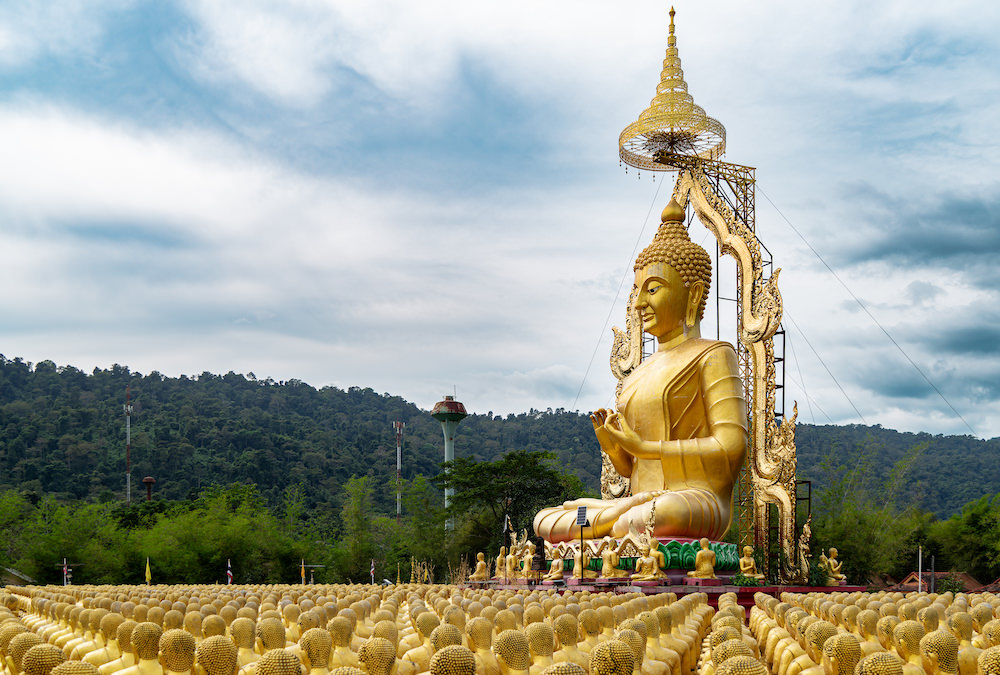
x=74 y=668
x=218 y=656
x=146 y=640
x=378 y=655
x=280 y=662
x=41 y=659
x=612 y=657
x=453 y=660
x=841 y=654
x=445 y=634
x=177 y=650
x=880 y=663
x=906 y=636
x=564 y=668
x=512 y=651
x=816 y=636
x=242 y=632
x=316 y=644
x=728 y=649
x=541 y=638
x=742 y=665
x=939 y=652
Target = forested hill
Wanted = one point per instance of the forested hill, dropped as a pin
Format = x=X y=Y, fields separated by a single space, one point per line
x=62 y=431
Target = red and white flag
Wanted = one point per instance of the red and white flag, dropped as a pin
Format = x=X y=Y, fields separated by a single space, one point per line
x=372 y=571
x=229 y=572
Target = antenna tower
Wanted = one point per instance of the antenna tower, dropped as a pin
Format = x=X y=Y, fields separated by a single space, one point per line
x=128 y=446
x=398 y=427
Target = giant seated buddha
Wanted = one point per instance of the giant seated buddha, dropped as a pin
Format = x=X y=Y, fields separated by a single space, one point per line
x=680 y=429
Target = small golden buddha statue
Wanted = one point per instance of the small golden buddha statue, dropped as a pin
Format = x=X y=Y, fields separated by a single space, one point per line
x=742 y=665
x=512 y=652
x=480 y=633
x=177 y=651
x=109 y=633
x=704 y=562
x=556 y=569
x=612 y=657
x=453 y=660
x=748 y=566
x=316 y=644
x=680 y=431
x=541 y=646
x=831 y=568
x=482 y=572
x=41 y=659
x=610 y=559
x=74 y=668
x=218 y=656
x=841 y=654
x=906 y=636
x=127 y=659
x=988 y=662
x=146 y=645
x=581 y=559
x=342 y=655
x=18 y=647
x=939 y=653
x=279 y=662
x=880 y=663
x=567 y=630
x=647 y=566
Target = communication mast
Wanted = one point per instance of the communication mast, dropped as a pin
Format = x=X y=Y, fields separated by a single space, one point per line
x=398 y=428
x=128 y=446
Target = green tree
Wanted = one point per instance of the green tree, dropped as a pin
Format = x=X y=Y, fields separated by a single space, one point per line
x=970 y=541
x=517 y=485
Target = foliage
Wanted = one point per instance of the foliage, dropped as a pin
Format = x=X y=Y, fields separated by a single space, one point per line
x=970 y=540
x=949 y=584
x=518 y=485
x=859 y=515
x=740 y=579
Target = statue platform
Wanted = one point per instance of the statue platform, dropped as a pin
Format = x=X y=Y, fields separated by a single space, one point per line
x=691 y=581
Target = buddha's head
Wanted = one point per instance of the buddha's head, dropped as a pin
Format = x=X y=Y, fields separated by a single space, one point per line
x=74 y=668
x=672 y=277
x=841 y=654
x=278 y=662
x=726 y=650
x=316 y=644
x=816 y=636
x=271 y=634
x=512 y=651
x=453 y=660
x=386 y=629
x=218 y=656
x=612 y=657
x=146 y=640
x=939 y=652
x=41 y=659
x=907 y=635
x=564 y=668
x=541 y=639
x=988 y=661
x=378 y=655
x=742 y=665
x=242 y=633
x=880 y=663
x=177 y=650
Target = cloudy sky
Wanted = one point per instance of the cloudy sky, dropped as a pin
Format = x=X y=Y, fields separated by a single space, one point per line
x=416 y=196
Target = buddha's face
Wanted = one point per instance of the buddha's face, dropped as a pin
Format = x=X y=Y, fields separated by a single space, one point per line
x=662 y=301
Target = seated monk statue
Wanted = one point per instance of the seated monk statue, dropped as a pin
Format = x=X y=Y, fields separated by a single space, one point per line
x=748 y=566
x=680 y=431
x=647 y=566
x=482 y=572
x=704 y=562
x=831 y=568
x=610 y=559
x=501 y=563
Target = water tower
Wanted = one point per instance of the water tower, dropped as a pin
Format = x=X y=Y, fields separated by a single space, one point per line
x=449 y=413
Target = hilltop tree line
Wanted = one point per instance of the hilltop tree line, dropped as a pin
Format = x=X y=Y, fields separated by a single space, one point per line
x=303 y=470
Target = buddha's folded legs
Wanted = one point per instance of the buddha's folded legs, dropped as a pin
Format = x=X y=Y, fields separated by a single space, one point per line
x=688 y=513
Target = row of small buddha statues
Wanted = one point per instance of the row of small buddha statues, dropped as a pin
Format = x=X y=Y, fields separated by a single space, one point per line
x=859 y=634
x=521 y=561
x=350 y=630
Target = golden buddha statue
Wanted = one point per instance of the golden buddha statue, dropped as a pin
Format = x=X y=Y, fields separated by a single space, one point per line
x=610 y=559
x=541 y=646
x=41 y=659
x=988 y=662
x=831 y=567
x=127 y=659
x=841 y=654
x=704 y=562
x=612 y=657
x=17 y=648
x=177 y=651
x=501 y=563
x=453 y=660
x=680 y=431
x=512 y=652
x=748 y=566
x=939 y=653
x=218 y=655
x=906 y=636
x=647 y=566
x=279 y=662
x=567 y=630
x=480 y=633
x=482 y=572
x=146 y=645
x=880 y=663
x=74 y=668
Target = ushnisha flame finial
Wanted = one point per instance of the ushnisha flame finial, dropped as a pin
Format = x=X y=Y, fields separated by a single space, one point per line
x=672 y=124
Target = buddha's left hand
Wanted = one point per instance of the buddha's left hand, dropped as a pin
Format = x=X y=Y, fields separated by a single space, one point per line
x=622 y=433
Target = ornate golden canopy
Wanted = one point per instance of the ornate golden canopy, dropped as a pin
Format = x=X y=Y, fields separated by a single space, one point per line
x=672 y=124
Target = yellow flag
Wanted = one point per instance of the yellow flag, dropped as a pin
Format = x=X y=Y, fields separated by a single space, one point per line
x=303 y=571
x=149 y=576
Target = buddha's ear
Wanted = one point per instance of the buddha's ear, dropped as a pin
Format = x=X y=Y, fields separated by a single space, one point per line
x=696 y=291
